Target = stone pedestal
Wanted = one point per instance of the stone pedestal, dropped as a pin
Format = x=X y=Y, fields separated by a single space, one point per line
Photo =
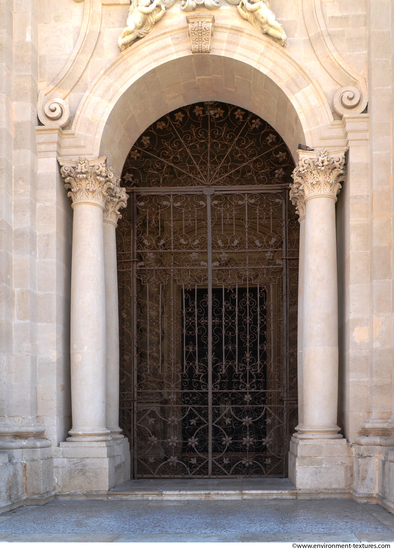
x=366 y=468
x=26 y=467
x=320 y=465
x=91 y=467
x=374 y=470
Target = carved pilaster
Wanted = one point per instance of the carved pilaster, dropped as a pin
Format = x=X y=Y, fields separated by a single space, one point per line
x=200 y=32
x=319 y=175
x=117 y=199
x=297 y=197
x=88 y=181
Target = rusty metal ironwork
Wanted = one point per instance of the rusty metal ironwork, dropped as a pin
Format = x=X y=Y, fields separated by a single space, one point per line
x=207 y=259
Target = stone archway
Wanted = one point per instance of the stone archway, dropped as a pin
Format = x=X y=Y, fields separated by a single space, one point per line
x=143 y=84
x=132 y=92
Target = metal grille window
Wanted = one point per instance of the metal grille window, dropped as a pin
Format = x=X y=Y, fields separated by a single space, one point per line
x=207 y=254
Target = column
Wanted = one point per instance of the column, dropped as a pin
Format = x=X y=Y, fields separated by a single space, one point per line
x=297 y=197
x=319 y=178
x=87 y=183
x=93 y=458
x=117 y=199
x=319 y=458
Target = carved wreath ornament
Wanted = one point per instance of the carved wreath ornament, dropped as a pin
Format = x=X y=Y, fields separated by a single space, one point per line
x=143 y=14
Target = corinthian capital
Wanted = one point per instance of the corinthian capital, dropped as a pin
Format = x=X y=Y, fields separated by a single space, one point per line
x=117 y=199
x=319 y=175
x=88 y=180
x=297 y=197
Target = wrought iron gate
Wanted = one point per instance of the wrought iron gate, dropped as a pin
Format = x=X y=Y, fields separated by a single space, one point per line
x=208 y=291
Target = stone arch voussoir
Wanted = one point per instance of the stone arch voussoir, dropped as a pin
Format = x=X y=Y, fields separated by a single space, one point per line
x=146 y=82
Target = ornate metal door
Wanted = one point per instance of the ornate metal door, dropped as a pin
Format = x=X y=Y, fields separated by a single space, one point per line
x=208 y=290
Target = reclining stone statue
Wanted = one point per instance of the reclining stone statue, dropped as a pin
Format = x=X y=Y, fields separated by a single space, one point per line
x=258 y=13
x=143 y=15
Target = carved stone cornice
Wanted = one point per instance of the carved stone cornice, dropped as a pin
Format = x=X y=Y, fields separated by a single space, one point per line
x=297 y=197
x=200 y=32
x=117 y=199
x=88 y=181
x=319 y=174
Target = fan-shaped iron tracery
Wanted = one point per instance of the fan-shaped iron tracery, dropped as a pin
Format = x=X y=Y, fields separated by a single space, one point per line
x=208 y=144
x=207 y=255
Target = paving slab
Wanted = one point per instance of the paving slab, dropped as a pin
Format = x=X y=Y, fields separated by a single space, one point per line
x=375 y=537
x=226 y=520
x=64 y=537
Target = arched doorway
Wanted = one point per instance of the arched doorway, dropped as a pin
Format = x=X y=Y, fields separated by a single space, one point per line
x=207 y=267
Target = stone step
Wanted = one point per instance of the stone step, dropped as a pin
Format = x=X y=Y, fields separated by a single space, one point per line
x=204 y=489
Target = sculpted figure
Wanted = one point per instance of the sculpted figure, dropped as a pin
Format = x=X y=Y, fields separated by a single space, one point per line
x=258 y=13
x=143 y=14
x=191 y=5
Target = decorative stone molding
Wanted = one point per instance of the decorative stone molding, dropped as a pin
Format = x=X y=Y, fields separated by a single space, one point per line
x=297 y=197
x=144 y=14
x=117 y=199
x=200 y=32
x=349 y=100
x=352 y=97
x=191 y=5
x=53 y=109
x=88 y=180
x=320 y=175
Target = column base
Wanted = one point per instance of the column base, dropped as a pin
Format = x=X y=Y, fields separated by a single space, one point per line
x=116 y=433
x=315 y=432
x=320 y=464
x=91 y=466
x=89 y=435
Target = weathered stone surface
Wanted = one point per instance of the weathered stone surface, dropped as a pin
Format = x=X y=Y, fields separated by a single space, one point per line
x=330 y=88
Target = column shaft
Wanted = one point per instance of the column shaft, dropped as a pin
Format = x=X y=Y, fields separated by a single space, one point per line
x=300 y=370
x=320 y=320
x=111 y=294
x=88 y=324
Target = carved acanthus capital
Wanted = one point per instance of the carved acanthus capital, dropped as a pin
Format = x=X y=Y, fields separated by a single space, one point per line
x=88 y=180
x=200 y=32
x=297 y=197
x=116 y=199
x=320 y=175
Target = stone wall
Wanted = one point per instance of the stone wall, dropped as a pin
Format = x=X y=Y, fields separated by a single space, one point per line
x=26 y=460
x=95 y=100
